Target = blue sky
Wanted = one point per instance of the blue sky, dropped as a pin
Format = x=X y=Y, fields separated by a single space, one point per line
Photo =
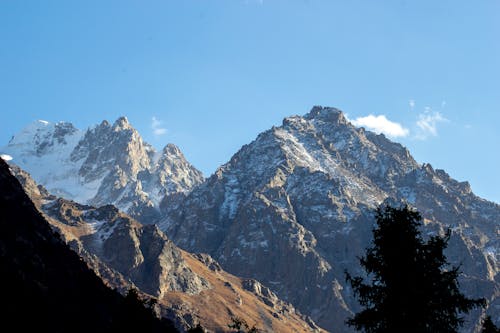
x=209 y=75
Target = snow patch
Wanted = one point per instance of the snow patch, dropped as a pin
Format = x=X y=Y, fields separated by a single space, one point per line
x=6 y=157
x=52 y=168
x=408 y=194
x=231 y=197
x=101 y=231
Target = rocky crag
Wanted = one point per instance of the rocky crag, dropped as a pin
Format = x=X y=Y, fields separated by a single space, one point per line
x=295 y=208
x=190 y=288
x=106 y=164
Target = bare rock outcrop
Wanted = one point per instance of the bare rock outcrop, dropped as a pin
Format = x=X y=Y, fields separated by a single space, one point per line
x=294 y=209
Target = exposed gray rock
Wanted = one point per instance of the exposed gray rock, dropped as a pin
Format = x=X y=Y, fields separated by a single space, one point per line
x=264 y=293
x=295 y=208
x=282 y=309
x=28 y=184
x=208 y=261
x=126 y=254
x=141 y=254
x=106 y=164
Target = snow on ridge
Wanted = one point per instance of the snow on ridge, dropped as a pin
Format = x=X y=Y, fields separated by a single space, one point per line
x=101 y=230
x=28 y=134
x=6 y=157
x=45 y=154
x=296 y=150
x=301 y=146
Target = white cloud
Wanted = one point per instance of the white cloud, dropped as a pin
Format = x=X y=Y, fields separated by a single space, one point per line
x=380 y=124
x=156 y=127
x=427 y=123
x=411 y=102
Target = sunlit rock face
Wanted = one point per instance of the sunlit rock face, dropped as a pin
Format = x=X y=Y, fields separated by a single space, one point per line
x=190 y=288
x=295 y=208
x=106 y=164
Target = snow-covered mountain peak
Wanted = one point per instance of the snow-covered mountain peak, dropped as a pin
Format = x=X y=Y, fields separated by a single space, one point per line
x=121 y=123
x=40 y=135
x=33 y=127
x=172 y=150
x=299 y=201
x=106 y=164
x=173 y=172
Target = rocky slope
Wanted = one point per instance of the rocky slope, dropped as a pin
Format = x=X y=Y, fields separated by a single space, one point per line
x=47 y=285
x=190 y=288
x=294 y=209
x=106 y=164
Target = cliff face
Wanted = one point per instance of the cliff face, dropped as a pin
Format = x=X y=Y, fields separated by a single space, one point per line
x=294 y=209
x=190 y=288
x=46 y=284
x=106 y=164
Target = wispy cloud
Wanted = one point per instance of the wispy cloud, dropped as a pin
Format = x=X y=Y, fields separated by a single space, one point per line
x=158 y=130
x=380 y=124
x=427 y=123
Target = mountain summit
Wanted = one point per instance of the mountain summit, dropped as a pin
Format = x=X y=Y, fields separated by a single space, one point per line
x=295 y=208
x=106 y=164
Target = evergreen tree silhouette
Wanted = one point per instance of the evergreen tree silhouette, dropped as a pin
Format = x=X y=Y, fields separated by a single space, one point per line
x=411 y=287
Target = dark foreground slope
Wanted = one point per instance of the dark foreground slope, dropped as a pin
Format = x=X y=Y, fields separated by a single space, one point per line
x=46 y=285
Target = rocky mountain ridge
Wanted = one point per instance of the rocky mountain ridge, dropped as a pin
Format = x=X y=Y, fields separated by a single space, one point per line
x=190 y=288
x=295 y=208
x=106 y=164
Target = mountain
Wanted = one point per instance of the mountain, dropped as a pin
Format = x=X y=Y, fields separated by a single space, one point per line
x=106 y=164
x=294 y=209
x=47 y=286
x=189 y=288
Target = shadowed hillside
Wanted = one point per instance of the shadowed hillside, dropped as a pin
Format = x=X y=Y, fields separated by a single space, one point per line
x=47 y=285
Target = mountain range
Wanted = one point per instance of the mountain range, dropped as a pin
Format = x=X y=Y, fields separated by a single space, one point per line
x=292 y=210
x=106 y=164
x=189 y=289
